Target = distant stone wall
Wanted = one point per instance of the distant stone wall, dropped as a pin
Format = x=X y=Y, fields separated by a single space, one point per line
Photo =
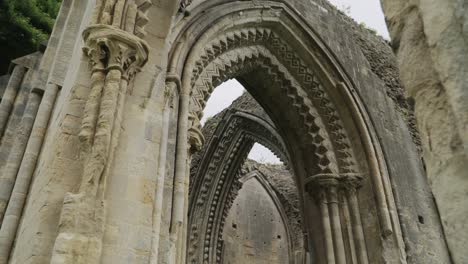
x=255 y=231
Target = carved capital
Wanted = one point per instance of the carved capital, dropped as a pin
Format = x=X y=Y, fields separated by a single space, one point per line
x=351 y=182
x=195 y=135
x=323 y=180
x=111 y=48
x=329 y=184
x=321 y=184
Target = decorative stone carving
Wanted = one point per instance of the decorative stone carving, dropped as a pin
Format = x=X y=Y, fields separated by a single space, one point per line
x=110 y=48
x=333 y=193
x=214 y=183
x=324 y=136
x=116 y=53
x=196 y=138
x=295 y=57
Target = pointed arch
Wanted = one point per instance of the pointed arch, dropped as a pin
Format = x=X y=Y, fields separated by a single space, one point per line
x=302 y=87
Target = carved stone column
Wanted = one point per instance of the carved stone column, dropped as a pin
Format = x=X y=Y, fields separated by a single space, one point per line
x=336 y=197
x=350 y=183
x=116 y=53
x=9 y=95
x=179 y=218
x=324 y=187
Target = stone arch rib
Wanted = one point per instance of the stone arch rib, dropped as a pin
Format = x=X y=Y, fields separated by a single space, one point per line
x=247 y=48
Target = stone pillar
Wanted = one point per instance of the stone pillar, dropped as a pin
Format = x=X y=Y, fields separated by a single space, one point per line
x=9 y=173
x=349 y=185
x=116 y=53
x=178 y=195
x=23 y=180
x=170 y=90
x=9 y=95
x=336 y=197
x=190 y=139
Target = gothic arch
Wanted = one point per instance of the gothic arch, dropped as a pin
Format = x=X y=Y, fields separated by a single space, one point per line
x=100 y=170
x=215 y=178
x=301 y=85
x=291 y=235
x=281 y=190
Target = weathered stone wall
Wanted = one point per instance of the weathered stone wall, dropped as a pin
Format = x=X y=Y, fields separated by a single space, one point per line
x=140 y=224
x=430 y=40
x=59 y=167
x=255 y=231
x=367 y=59
x=282 y=182
x=414 y=198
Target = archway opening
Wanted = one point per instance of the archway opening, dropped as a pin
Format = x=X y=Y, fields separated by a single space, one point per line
x=311 y=115
x=261 y=220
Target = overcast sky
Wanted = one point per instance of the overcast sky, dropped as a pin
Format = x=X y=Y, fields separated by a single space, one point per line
x=363 y=11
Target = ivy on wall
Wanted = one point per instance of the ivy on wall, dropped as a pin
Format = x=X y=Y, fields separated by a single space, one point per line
x=24 y=24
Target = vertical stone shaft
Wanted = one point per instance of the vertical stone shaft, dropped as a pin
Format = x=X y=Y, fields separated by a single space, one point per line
x=18 y=198
x=161 y=175
x=106 y=16
x=357 y=227
x=349 y=229
x=380 y=195
x=327 y=232
x=98 y=159
x=118 y=13
x=8 y=177
x=91 y=111
x=12 y=125
x=9 y=95
x=97 y=12
x=180 y=175
x=131 y=17
x=116 y=127
x=183 y=234
x=336 y=224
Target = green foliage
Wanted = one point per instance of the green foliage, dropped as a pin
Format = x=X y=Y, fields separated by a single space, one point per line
x=24 y=24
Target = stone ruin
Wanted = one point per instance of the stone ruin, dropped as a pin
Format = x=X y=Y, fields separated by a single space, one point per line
x=103 y=158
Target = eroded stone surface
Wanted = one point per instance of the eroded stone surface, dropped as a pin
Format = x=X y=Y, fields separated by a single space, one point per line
x=334 y=110
x=430 y=40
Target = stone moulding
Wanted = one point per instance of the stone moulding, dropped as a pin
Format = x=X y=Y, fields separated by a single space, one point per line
x=116 y=53
x=216 y=181
x=327 y=96
x=333 y=193
x=311 y=83
x=126 y=52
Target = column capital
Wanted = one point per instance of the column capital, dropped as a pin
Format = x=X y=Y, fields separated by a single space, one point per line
x=322 y=180
x=351 y=181
x=320 y=185
x=109 y=48
x=332 y=182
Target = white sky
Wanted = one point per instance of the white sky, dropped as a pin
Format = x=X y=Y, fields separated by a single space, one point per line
x=363 y=11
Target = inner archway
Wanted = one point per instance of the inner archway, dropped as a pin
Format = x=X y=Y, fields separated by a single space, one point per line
x=258 y=228
x=219 y=176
